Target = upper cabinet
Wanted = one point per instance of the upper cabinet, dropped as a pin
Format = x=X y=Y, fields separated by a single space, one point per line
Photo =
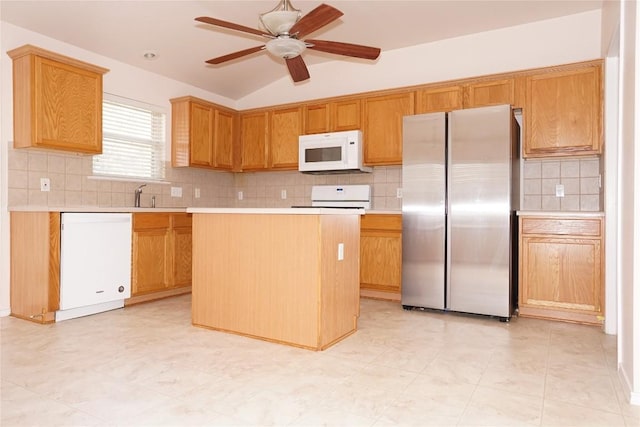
x=439 y=99
x=333 y=116
x=286 y=127
x=201 y=134
x=563 y=112
x=493 y=92
x=57 y=101
x=383 y=127
x=254 y=131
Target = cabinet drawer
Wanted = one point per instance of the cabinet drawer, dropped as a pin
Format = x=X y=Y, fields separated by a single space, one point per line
x=146 y=221
x=182 y=220
x=390 y=222
x=562 y=226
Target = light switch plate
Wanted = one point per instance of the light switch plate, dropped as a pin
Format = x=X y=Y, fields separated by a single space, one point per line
x=340 y=251
x=196 y=193
x=283 y=194
x=559 y=190
x=176 y=191
x=240 y=195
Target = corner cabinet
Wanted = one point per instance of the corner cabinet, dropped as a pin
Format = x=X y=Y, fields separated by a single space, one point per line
x=57 y=101
x=561 y=268
x=161 y=255
x=563 y=112
x=202 y=134
x=383 y=127
x=35 y=265
x=381 y=256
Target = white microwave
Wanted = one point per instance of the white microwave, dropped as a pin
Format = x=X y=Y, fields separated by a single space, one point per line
x=335 y=152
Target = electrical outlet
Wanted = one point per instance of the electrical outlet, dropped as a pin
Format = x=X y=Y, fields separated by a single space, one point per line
x=176 y=191
x=340 y=251
x=240 y=195
x=559 y=190
x=399 y=193
x=45 y=184
x=196 y=193
x=283 y=194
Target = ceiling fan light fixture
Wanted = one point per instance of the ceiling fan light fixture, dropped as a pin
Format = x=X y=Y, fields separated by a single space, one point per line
x=285 y=47
x=280 y=19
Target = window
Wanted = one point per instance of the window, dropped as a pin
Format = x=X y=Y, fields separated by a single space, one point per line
x=133 y=140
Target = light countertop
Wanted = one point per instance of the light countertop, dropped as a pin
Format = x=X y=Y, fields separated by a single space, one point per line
x=277 y=211
x=583 y=214
x=92 y=209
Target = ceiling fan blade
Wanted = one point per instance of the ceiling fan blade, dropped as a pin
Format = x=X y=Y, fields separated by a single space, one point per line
x=232 y=26
x=234 y=55
x=347 y=49
x=297 y=68
x=314 y=20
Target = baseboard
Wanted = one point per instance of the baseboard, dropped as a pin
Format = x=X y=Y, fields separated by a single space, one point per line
x=632 y=396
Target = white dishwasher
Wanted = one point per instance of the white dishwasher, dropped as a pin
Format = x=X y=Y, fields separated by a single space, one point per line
x=95 y=263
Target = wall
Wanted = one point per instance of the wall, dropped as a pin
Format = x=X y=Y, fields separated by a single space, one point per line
x=628 y=209
x=544 y=43
x=580 y=177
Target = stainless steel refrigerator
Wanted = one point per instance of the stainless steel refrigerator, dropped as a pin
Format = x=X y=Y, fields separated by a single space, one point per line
x=460 y=181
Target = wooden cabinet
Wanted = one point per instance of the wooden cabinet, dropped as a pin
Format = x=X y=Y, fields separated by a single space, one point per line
x=35 y=265
x=493 y=92
x=202 y=134
x=381 y=255
x=439 y=99
x=383 y=127
x=563 y=113
x=254 y=131
x=333 y=116
x=561 y=268
x=57 y=101
x=161 y=253
x=286 y=127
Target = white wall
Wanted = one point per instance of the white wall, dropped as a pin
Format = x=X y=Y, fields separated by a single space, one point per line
x=629 y=211
x=556 y=41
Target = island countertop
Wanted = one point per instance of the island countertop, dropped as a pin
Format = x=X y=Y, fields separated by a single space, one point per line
x=277 y=211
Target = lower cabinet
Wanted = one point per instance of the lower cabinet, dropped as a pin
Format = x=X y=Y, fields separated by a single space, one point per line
x=35 y=265
x=561 y=268
x=161 y=260
x=381 y=256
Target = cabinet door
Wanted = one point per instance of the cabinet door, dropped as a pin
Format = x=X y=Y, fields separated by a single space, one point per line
x=495 y=92
x=201 y=135
x=253 y=131
x=440 y=99
x=563 y=113
x=383 y=127
x=346 y=115
x=381 y=253
x=562 y=273
x=68 y=107
x=182 y=238
x=223 y=138
x=286 y=127
x=150 y=255
x=316 y=118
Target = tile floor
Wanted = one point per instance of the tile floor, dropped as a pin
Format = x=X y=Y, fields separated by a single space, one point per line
x=146 y=365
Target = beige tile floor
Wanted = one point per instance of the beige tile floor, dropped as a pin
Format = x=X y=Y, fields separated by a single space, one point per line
x=146 y=365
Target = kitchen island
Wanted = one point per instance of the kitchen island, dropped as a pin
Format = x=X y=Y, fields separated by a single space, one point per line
x=289 y=276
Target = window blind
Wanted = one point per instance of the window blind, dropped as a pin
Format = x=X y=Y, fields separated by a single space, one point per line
x=133 y=140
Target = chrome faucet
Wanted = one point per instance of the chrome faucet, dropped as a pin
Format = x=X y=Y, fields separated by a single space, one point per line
x=137 y=194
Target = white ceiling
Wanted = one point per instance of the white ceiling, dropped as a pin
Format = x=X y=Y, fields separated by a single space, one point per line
x=124 y=30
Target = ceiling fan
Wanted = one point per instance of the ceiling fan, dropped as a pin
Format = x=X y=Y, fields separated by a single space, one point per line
x=287 y=30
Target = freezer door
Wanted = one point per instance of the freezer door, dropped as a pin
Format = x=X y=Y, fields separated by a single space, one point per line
x=479 y=208
x=423 y=211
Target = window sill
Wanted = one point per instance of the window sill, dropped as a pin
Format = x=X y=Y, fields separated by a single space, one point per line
x=127 y=179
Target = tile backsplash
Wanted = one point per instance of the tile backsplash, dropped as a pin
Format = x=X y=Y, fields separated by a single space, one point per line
x=72 y=185
x=581 y=179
